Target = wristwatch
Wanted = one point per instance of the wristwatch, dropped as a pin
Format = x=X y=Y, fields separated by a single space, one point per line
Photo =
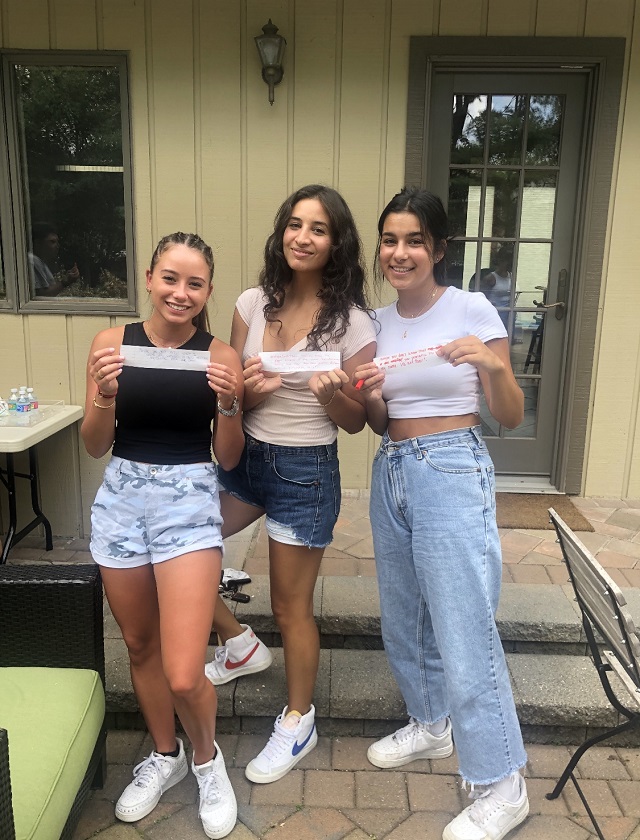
x=229 y=412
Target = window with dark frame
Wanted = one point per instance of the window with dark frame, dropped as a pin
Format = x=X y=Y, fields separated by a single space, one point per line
x=69 y=184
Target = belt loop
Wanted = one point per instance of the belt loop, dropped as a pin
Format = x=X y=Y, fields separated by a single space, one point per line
x=416 y=448
x=475 y=431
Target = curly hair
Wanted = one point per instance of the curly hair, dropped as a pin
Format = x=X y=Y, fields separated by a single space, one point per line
x=343 y=277
x=434 y=226
x=191 y=240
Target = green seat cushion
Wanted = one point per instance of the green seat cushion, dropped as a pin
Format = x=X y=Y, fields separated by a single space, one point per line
x=53 y=717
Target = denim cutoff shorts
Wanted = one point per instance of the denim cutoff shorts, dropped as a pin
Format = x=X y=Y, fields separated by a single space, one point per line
x=297 y=486
x=148 y=513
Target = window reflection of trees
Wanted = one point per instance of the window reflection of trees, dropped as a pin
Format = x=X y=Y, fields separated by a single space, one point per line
x=71 y=126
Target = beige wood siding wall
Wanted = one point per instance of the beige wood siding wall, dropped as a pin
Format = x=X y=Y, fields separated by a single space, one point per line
x=210 y=154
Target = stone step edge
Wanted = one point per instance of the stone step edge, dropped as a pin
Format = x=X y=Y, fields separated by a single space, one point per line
x=559 y=698
x=349 y=607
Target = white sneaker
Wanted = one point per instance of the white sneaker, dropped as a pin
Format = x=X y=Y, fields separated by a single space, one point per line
x=243 y=654
x=218 y=809
x=490 y=817
x=151 y=778
x=292 y=738
x=411 y=742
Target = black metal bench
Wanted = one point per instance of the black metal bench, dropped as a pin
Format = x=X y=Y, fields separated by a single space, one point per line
x=613 y=642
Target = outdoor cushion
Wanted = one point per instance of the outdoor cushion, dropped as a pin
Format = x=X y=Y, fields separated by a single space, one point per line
x=53 y=717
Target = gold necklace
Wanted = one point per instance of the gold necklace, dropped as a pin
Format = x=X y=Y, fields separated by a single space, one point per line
x=158 y=343
x=421 y=311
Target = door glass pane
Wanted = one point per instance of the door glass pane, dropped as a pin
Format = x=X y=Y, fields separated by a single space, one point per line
x=528 y=427
x=461 y=264
x=488 y=423
x=506 y=129
x=538 y=205
x=501 y=203
x=532 y=273
x=526 y=347
x=70 y=127
x=468 y=128
x=465 y=191
x=543 y=131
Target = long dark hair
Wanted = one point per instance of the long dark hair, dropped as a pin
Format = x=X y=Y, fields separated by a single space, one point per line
x=434 y=226
x=191 y=240
x=343 y=277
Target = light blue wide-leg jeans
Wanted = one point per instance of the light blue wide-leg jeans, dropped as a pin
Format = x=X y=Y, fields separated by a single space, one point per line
x=439 y=567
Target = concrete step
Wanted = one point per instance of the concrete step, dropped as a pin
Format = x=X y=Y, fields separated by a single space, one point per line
x=532 y=618
x=557 y=690
x=558 y=697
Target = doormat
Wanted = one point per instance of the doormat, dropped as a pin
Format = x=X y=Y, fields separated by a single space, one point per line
x=531 y=511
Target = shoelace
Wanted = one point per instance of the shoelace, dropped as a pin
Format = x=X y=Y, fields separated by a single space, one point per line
x=279 y=742
x=209 y=789
x=143 y=773
x=222 y=654
x=484 y=805
x=407 y=731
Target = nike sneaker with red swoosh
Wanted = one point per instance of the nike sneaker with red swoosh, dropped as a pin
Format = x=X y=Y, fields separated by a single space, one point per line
x=241 y=655
x=293 y=736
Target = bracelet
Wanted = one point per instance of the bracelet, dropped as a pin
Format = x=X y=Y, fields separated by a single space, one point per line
x=329 y=401
x=105 y=396
x=97 y=405
x=229 y=412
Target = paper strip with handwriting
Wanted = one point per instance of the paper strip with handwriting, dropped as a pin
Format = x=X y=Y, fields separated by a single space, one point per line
x=426 y=357
x=305 y=360
x=164 y=357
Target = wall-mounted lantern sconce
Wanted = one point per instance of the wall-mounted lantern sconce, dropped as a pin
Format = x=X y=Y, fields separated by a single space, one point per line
x=271 y=48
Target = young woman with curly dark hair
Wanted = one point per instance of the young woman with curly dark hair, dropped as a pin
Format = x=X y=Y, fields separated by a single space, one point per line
x=311 y=297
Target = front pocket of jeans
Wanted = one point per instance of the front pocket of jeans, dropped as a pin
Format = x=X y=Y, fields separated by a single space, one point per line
x=457 y=459
x=302 y=471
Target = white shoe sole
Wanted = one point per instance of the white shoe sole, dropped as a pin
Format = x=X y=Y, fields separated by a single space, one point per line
x=255 y=775
x=139 y=815
x=244 y=671
x=385 y=763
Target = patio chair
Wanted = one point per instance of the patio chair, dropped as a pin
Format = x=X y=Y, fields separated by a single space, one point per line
x=52 y=704
x=613 y=643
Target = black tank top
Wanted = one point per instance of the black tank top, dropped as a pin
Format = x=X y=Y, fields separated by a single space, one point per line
x=164 y=416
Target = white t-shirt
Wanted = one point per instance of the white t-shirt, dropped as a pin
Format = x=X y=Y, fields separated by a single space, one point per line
x=441 y=390
x=292 y=416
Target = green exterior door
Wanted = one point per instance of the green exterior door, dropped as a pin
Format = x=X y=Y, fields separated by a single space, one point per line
x=505 y=153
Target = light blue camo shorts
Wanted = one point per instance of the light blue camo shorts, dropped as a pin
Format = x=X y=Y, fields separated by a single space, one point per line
x=148 y=513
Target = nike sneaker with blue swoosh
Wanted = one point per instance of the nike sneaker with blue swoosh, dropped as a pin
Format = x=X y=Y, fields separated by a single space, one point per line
x=293 y=736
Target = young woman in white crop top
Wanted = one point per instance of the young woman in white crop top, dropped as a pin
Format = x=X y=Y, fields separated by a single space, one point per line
x=311 y=297
x=433 y=519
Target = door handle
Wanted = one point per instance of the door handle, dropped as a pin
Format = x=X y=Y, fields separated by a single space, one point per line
x=561 y=296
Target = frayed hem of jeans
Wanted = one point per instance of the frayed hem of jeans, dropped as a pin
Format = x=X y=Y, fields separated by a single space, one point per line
x=467 y=783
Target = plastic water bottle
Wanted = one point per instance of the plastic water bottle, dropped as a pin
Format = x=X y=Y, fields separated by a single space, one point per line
x=4 y=413
x=33 y=400
x=12 y=402
x=23 y=407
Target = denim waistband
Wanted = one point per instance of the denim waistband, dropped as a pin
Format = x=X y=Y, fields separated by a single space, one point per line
x=323 y=450
x=470 y=434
